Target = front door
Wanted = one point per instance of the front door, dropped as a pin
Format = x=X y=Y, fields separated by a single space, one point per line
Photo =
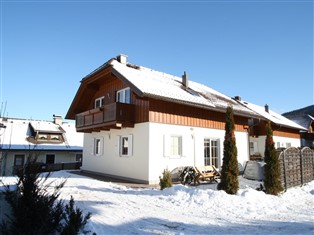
x=211 y=152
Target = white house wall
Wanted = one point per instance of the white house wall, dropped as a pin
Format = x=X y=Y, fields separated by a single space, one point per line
x=192 y=149
x=110 y=162
x=283 y=141
x=149 y=159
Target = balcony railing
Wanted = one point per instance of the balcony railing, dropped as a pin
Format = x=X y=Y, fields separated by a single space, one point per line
x=115 y=115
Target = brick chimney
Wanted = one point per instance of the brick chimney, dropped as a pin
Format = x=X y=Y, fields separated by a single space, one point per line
x=123 y=59
x=185 y=80
x=57 y=119
x=266 y=108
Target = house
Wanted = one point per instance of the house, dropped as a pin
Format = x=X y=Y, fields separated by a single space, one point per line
x=286 y=133
x=138 y=122
x=52 y=142
x=305 y=118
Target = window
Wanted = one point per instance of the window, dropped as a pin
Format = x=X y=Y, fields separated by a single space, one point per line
x=42 y=136
x=288 y=145
x=50 y=159
x=19 y=160
x=99 y=102
x=253 y=147
x=54 y=137
x=78 y=157
x=125 y=145
x=211 y=152
x=98 y=143
x=175 y=145
x=124 y=96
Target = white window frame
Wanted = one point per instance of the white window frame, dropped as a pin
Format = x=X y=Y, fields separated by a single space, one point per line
x=121 y=96
x=213 y=151
x=99 y=102
x=98 y=146
x=253 y=147
x=173 y=146
x=125 y=145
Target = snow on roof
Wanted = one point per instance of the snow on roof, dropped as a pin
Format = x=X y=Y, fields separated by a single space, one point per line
x=155 y=84
x=16 y=132
x=45 y=126
x=271 y=115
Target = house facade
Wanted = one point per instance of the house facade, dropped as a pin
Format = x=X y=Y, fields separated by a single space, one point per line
x=305 y=118
x=51 y=142
x=138 y=122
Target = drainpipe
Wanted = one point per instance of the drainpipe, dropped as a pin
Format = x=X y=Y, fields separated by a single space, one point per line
x=193 y=137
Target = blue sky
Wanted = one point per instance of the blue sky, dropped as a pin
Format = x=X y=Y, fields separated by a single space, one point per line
x=259 y=50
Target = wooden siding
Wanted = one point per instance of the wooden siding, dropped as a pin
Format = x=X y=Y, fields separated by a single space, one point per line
x=260 y=129
x=176 y=114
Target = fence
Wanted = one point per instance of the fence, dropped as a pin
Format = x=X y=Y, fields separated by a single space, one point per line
x=297 y=166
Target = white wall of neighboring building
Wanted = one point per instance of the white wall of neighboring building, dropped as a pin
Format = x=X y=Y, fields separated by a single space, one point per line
x=60 y=157
x=284 y=142
x=150 y=157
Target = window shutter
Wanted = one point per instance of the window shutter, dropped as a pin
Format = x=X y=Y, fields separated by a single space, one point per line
x=118 y=145
x=130 y=145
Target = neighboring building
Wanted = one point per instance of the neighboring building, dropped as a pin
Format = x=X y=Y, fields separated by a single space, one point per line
x=286 y=133
x=51 y=142
x=305 y=118
x=138 y=122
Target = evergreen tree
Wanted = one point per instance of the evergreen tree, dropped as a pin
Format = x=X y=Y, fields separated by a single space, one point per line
x=165 y=181
x=37 y=210
x=230 y=171
x=272 y=181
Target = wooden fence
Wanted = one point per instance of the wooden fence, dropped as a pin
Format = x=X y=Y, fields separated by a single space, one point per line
x=297 y=166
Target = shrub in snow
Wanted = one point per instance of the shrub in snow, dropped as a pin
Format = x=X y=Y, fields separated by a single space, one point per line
x=272 y=181
x=35 y=210
x=165 y=181
x=74 y=219
x=229 y=172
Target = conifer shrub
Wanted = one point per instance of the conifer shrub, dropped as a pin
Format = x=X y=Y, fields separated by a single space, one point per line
x=272 y=181
x=165 y=181
x=230 y=170
x=35 y=209
x=74 y=219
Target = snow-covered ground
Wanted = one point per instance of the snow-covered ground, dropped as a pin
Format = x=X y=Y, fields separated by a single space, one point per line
x=117 y=209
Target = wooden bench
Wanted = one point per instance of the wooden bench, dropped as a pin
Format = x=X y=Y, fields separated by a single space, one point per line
x=206 y=173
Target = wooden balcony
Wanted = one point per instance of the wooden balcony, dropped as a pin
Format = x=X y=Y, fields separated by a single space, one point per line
x=111 y=116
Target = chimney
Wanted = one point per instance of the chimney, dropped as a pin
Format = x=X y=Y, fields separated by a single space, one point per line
x=123 y=59
x=185 y=80
x=57 y=119
x=238 y=98
x=266 y=108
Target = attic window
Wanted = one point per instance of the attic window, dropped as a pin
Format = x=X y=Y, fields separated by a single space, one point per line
x=42 y=137
x=124 y=96
x=99 y=102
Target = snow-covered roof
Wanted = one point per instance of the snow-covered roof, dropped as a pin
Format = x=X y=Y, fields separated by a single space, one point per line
x=146 y=82
x=151 y=83
x=271 y=116
x=303 y=116
x=16 y=131
x=45 y=126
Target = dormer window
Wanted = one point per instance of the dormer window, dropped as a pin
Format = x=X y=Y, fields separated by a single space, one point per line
x=124 y=96
x=42 y=137
x=99 y=102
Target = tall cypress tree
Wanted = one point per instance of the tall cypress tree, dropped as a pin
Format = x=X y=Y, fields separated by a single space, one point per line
x=230 y=171
x=272 y=181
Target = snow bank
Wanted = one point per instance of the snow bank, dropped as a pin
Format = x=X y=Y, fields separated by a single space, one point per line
x=117 y=209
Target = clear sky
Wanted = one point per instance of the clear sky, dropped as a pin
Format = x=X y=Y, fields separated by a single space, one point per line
x=259 y=50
